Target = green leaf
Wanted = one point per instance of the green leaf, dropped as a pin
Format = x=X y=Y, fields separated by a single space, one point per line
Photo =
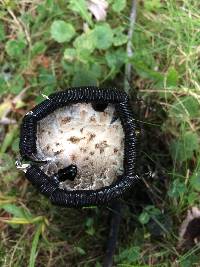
x=144 y=217
x=80 y=7
x=89 y=225
x=84 y=77
x=62 y=31
x=195 y=180
x=70 y=54
x=193 y=197
x=115 y=59
x=34 y=245
x=184 y=108
x=183 y=148
x=14 y=48
x=50 y=4
x=186 y=263
x=6 y=162
x=7 y=142
x=47 y=78
x=160 y=225
x=118 y=5
x=84 y=56
x=69 y=68
x=86 y=41
x=38 y=48
x=15 y=145
x=80 y=250
x=189 y=261
x=49 y=89
x=141 y=57
x=152 y=210
x=172 y=77
x=177 y=188
x=119 y=37
x=17 y=212
x=152 y=5
x=85 y=45
x=129 y=255
x=3 y=86
x=144 y=64
x=2 y=32
x=89 y=222
x=96 y=70
x=104 y=36
x=24 y=220
x=90 y=231
x=17 y=84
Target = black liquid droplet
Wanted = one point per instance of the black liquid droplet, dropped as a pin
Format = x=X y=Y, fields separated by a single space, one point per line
x=68 y=173
x=99 y=106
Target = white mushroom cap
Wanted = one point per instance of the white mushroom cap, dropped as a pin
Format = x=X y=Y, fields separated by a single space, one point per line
x=77 y=134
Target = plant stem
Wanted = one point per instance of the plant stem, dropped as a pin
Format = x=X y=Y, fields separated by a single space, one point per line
x=129 y=50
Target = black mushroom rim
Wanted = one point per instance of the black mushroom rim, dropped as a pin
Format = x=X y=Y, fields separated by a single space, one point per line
x=50 y=187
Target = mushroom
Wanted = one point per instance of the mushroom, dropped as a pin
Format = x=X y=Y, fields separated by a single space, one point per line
x=81 y=145
x=79 y=135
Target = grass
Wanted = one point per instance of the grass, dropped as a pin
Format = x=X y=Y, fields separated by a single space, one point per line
x=35 y=61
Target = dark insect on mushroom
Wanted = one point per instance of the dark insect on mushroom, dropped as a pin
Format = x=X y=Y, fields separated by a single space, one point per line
x=68 y=173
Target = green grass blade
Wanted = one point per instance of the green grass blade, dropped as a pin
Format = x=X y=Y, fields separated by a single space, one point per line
x=34 y=246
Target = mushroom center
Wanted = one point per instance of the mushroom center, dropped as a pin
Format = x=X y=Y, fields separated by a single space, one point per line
x=92 y=140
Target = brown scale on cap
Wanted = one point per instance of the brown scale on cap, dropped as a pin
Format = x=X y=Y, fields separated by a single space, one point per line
x=115 y=150
x=58 y=152
x=101 y=146
x=93 y=119
x=91 y=137
x=66 y=120
x=75 y=139
x=82 y=149
x=73 y=157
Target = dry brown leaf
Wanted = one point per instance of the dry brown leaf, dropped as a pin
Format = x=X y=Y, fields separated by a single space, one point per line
x=98 y=8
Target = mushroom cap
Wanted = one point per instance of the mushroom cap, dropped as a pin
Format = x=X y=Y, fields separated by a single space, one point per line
x=77 y=134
